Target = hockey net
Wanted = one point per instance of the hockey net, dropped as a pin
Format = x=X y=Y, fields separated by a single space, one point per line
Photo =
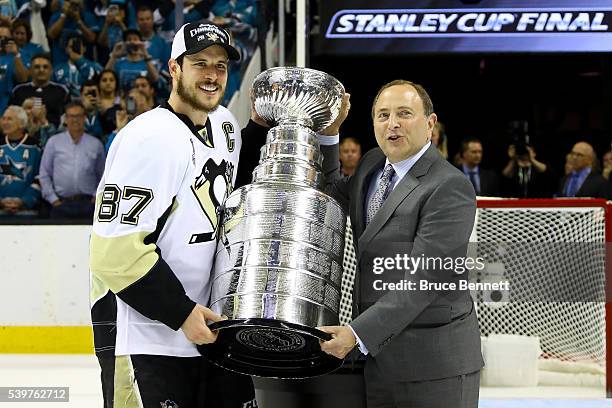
x=549 y=246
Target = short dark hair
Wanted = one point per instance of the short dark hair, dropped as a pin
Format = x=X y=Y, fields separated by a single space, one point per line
x=43 y=55
x=428 y=108
x=466 y=142
x=144 y=7
x=74 y=104
x=131 y=31
x=350 y=139
x=151 y=84
x=89 y=82
x=6 y=24
x=23 y=23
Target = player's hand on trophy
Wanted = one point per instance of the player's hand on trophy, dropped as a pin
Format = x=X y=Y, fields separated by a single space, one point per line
x=195 y=328
x=334 y=128
x=342 y=342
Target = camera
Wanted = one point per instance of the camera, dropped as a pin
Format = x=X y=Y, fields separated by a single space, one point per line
x=92 y=92
x=519 y=135
x=131 y=48
x=130 y=105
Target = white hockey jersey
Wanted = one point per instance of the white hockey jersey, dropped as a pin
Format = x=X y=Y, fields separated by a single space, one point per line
x=155 y=226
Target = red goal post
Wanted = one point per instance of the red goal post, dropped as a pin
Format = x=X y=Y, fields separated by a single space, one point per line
x=572 y=331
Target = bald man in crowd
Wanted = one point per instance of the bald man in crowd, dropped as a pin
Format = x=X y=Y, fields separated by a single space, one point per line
x=582 y=181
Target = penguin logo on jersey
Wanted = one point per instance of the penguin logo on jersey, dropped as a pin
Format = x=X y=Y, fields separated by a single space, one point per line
x=204 y=190
x=169 y=404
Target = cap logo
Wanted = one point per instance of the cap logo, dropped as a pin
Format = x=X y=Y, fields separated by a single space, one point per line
x=213 y=33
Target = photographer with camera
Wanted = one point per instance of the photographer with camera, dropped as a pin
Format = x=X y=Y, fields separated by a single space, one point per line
x=39 y=128
x=136 y=103
x=136 y=62
x=524 y=175
x=12 y=68
x=89 y=98
x=72 y=18
x=114 y=25
x=78 y=69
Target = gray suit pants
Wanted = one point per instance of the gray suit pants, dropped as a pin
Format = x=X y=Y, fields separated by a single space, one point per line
x=453 y=392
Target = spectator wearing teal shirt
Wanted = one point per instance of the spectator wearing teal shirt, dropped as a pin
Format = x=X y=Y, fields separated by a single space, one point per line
x=22 y=34
x=72 y=18
x=157 y=47
x=77 y=69
x=12 y=68
x=136 y=63
x=19 y=164
x=119 y=17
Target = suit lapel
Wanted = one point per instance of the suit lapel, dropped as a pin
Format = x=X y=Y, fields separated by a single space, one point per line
x=399 y=194
x=362 y=185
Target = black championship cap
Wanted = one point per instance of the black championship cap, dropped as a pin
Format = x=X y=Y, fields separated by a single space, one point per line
x=194 y=37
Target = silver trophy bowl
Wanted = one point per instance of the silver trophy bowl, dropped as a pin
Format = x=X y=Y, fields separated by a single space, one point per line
x=302 y=96
x=278 y=266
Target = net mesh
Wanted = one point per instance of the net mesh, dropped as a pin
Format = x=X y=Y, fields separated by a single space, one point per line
x=564 y=245
x=569 y=331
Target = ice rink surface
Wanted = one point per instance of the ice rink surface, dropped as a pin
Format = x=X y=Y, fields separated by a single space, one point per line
x=81 y=374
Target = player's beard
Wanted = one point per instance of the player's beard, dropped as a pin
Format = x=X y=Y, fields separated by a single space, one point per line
x=189 y=96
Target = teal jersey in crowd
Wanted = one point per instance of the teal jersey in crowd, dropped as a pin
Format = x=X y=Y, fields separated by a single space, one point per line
x=19 y=164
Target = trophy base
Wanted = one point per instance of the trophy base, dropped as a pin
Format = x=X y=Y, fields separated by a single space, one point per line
x=269 y=348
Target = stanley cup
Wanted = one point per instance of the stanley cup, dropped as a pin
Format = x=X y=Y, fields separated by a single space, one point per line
x=278 y=266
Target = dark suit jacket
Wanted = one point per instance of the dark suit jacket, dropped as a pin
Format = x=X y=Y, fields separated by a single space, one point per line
x=423 y=334
x=594 y=186
x=489 y=182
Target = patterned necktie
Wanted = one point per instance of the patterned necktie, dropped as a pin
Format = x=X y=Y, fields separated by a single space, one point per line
x=381 y=193
x=472 y=176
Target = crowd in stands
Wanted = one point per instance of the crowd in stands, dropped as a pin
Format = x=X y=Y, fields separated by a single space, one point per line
x=72 y=74
x=523 y=176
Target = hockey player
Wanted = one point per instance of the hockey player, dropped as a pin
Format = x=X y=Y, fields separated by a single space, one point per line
x=154 y=237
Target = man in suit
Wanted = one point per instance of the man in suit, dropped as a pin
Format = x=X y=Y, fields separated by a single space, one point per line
x=582 y=181
x=485 y=181
x=423 y=345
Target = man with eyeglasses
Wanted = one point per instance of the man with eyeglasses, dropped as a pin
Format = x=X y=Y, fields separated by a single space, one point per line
x=53 y=95
x=582 y=181
x=71 y=168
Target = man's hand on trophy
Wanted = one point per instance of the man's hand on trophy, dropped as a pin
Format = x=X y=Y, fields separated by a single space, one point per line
x=195 y=328
x=334 y=128
x=342 y=342
x=254 y=115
